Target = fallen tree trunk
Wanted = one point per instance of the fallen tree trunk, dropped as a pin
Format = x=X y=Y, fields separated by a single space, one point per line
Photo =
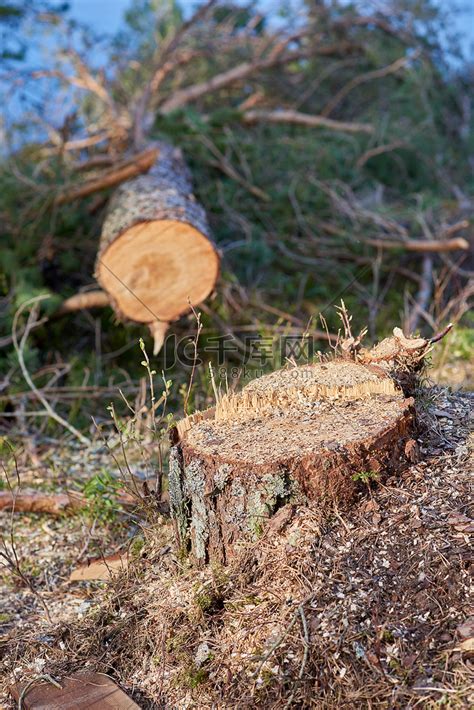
x=156 y=258
x=299 y=434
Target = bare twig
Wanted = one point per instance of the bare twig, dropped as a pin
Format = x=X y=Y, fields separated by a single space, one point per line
x=439 y=336
x=223 y=164
x=365 y=78
x=20 y=348
x=145 y=100
x=379 y=150
x=195 y=359
x=305 y=654
x=424 y=293
x=277 y=56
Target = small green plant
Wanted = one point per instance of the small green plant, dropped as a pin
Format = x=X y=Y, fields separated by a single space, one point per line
x=366 y=477
x=101 y=492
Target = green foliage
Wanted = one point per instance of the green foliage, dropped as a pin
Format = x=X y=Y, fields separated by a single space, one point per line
x=101 y=492
x=462 y=343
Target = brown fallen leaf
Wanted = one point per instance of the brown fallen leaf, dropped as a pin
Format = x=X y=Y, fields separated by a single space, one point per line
x=281 y=519
x=466 y=646
x=466 y=629
x=412 y=451
x=100 y=569
x=81 y=691
x=369 y=505
x=461 y=523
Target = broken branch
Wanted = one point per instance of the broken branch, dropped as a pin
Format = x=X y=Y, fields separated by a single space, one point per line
x=137 y=165
x=425 y=246
x=52 y=504
x=303 y=119
x=84 y=301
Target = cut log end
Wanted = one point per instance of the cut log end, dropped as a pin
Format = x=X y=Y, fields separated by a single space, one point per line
x=156 y=259
x=305 y=434
x=156 y=270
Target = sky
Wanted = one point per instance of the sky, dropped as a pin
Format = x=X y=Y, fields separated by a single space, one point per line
x=103 y=15
x=106 y=16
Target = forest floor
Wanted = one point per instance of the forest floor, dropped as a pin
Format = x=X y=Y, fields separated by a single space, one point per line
x=365 y=607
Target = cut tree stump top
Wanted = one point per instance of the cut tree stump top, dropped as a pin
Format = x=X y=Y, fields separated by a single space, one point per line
x=303 y=429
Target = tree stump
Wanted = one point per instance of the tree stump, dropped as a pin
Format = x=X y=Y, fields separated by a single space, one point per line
x=156 y=258
x=299 y=434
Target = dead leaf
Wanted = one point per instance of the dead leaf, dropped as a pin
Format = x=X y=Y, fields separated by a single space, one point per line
x=466 y=629
x=281 y=519
x=461 y=523
x=100 y=569
x=412 y=451
x=466 y=646
x=82 y=691
x=369 y=505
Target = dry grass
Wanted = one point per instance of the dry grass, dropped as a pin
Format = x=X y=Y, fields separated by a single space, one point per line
x=356 y=608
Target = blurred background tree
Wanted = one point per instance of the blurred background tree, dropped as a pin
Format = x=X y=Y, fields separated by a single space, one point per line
x=326 y=143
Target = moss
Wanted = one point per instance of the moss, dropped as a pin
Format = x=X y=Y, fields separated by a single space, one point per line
x=137 y=545
x=195 y=676
x=209 y=597
x=248 y=600
x=204 y=600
